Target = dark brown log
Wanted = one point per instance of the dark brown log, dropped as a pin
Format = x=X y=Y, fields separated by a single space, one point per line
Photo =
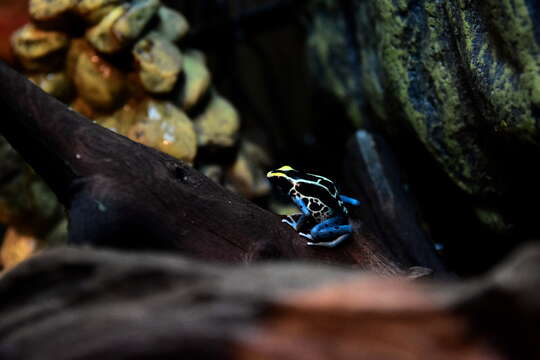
x=89 y=304
x=123 y=194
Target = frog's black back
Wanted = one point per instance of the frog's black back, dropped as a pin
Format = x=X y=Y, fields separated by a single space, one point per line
x=321 y=188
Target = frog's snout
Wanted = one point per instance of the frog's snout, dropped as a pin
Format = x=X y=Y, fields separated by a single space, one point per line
x=282 y=171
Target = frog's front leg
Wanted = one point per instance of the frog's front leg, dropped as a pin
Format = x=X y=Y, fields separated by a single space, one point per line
x=303 y=217
x=349 y=200
x=331 y=228
x=295 y=224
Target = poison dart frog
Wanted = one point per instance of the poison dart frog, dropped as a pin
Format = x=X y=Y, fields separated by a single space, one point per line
x=318 y=199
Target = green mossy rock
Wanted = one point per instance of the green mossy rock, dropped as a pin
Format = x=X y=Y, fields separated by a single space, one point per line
x=461 y=75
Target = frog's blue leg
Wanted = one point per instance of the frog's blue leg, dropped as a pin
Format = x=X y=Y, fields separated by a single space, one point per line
x=349 y=200
x=303 y=208
x=305 y=214
x=295 y=224
x=330 y=228
x=333 y=243
x=290 y=219
x=323 y=229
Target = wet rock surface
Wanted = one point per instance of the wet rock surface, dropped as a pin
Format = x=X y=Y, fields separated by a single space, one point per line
x=161 y=125
x=245 y=175
x=160 y=63
x=130 y=26
x=56 y=84
x=39 y=50
x=218 y=126
x=46 y=10
x=93 y=11
x=173 y=26
x=101 y=35
x=88 y=6
x=197 y=79
x=99 y=83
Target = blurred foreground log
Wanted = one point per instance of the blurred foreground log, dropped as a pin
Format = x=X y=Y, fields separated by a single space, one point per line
x=119 y=193
x=88 y=304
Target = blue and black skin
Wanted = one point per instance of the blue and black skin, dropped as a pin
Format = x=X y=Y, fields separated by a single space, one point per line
x=317 y=198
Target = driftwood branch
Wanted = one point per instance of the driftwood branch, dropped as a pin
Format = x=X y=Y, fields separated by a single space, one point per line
x=119 y=193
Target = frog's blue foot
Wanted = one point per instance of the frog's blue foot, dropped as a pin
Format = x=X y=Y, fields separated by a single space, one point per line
x=333 y=243
x=331 y=228
x=295 y=224
x=290 y=221
x=349 y=200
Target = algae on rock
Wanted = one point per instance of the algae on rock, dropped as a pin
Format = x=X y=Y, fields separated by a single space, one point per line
x=461 y=78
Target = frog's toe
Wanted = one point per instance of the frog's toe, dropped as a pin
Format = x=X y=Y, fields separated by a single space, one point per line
x=349 y=200
x=331 y=244
x=306 y=235
x=289 y=222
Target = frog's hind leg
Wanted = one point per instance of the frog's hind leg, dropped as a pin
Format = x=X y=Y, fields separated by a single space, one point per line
x=330 y=228
x=332 y=243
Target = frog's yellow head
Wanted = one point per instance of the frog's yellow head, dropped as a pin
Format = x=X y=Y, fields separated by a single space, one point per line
x=282 y=171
